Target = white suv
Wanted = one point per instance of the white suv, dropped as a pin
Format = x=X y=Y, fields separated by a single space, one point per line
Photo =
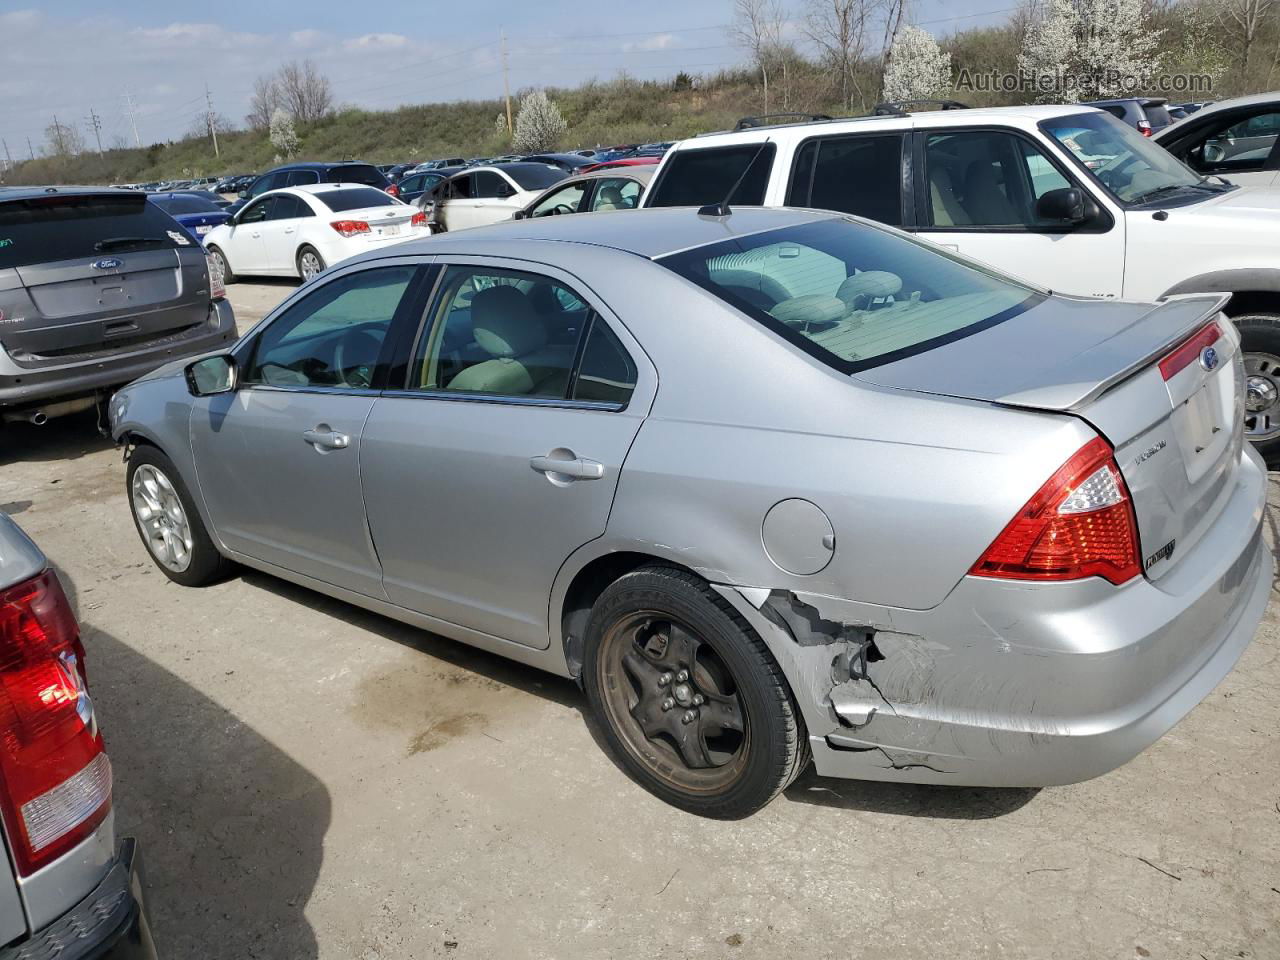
x=1067 y=197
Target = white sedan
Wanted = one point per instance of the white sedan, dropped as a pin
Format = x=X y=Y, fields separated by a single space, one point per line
x=298 y=231
x=483 y=195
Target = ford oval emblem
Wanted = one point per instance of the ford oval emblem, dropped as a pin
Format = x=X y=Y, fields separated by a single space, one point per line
x=107 y=263
x=1208 y=358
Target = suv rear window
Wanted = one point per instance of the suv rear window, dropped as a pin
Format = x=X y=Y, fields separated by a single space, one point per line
x=860 y=174
x=66 y=227
x=365 y=173
x=852 y=295
x=693 y=178
x=355 y=198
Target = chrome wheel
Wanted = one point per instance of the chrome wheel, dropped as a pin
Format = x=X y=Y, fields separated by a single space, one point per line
x=674 y=702
x=219 y=265
x=1262 y=396
x=161 y=518
x=309 y=264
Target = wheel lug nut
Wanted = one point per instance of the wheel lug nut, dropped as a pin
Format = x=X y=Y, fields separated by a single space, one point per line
x=664 y=679
x=682 y=676
x=668 y=703
x=689 y=716
x=698 y=700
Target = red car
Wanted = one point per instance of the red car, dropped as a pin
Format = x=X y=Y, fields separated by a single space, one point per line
x=624 y=162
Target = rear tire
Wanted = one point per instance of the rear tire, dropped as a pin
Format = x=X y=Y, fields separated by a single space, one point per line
x=690 y=699
x=220 y=263
x=310 y=264
x=168 y=523
x=1260 y=343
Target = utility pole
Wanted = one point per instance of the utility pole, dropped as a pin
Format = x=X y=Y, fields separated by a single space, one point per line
x=213 y=132
x=133 y=121
x=506 y=86
x=31 y=149
x=95 y=121
x=8 y=160
x=59 y=145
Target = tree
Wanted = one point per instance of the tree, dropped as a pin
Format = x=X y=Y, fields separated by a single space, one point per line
x=1241 y=21
x=283 y=136
x=917 y=69
x=757 y=27
x=500 y=125
x=304 y=91
x=539 y=125
x=838 y=28
x=1106 y=46
x=206 y=123
x=263 y=102
x=62 y=140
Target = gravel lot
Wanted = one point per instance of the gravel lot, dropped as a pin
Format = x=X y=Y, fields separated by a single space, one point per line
x=310 y=780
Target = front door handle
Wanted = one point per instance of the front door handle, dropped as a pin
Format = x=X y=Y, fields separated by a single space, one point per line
x=288 y=229
x=574 y=469
x=325 y=439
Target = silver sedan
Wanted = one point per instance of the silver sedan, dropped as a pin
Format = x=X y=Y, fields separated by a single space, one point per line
x=771 y=485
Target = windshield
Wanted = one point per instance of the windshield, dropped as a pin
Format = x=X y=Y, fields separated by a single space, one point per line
x=853 y=295
x=1129 y=165
x=534 y=176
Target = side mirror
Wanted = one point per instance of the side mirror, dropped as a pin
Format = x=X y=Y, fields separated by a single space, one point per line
x=520 y=215
x=1064 y=205
x=211 y=376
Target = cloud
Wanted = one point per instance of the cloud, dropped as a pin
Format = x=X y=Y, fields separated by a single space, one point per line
x=659 y=41
x=199 y=34
x=377 y=41
x=306 y=38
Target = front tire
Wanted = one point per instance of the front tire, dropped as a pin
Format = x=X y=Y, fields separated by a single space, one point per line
x=168 y=523
x=691 y=701
x=1260 y=343
x=310 y=263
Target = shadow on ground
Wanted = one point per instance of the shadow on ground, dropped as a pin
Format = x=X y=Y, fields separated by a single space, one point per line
x=911 y=800
x=63 y=438
x=231 y=829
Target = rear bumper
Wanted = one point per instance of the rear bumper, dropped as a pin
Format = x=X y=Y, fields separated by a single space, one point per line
x=29 y=385
x=1014 y=684
x=109 y=924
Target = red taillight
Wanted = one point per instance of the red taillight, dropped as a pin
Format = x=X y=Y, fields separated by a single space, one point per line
x=1144 y=127
x=217 y=284
x=393 y=190
x=56 y=786
x=1185 y=353
x=1079 y=524
x=418 y=220
x=349 y=228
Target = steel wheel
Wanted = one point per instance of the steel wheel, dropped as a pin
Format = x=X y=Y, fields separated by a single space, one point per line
x=162 y=519
x=1262 y=396
x=309 y=264
x=674 y=702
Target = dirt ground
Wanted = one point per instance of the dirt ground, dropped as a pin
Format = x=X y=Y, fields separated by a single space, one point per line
x=309 y=780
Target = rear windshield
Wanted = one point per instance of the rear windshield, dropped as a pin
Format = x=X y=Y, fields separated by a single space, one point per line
x=534 y=177
x=853 y=295
x=693 y=178
x=357 y=173
x=355 y=198
x=1158 y=114
x=49 y=228
x=175 y=205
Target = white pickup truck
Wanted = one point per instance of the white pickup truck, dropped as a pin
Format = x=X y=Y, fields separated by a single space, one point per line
x=1066 y=197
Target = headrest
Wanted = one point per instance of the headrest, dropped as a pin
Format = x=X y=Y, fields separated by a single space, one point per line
x=869 y=285
x=505 y=324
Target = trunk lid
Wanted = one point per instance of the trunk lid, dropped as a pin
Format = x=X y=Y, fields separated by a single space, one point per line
x=385 y=223
x=1177 y=440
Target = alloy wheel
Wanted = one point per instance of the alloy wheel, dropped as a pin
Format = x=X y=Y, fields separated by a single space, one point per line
x=161 y=517
x=310 y=265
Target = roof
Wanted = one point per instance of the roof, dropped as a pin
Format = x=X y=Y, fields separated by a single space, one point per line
x=648 y=233
x=318 y=188
x=26 y=193
x=642 y=172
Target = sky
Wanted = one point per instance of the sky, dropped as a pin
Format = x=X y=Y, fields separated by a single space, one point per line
x=74 y=58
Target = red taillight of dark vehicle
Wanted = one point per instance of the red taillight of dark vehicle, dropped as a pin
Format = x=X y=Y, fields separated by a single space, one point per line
x=1079 y=524
x=349 y=228
x=393 y=190
x=55 y=778
x=1187 y=352
x=1144 y=127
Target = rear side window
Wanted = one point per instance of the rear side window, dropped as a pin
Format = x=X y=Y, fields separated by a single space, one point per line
x=297 y=178
x=607 y=373
x=861 y=175
x=357 y=173
x=693 y=178
x=355 y=198
x=49 y=228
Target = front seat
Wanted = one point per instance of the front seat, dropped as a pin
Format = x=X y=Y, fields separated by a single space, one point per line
x=520 y=361
x=947 y=211
x=985 y=200
x=610 y=198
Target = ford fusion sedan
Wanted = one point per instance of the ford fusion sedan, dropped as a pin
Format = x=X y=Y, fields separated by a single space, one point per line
x=770 y=484
x=299 y=231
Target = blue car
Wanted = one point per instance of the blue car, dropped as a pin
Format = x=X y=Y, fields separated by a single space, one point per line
x=194 y=213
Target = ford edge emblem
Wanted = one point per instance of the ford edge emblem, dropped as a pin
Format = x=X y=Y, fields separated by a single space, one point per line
x=107 y=263
x=1208 y=358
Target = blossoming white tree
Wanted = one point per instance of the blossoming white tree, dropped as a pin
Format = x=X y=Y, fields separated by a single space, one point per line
x=539 y=125
x=1107 y=45
x=282 y=135
x=917 y=68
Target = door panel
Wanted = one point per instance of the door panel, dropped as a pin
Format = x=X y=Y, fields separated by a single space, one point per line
x=246 y=249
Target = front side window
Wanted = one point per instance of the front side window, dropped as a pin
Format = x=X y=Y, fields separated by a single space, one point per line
x=535 y=176
x=616 y=193
x=861 y=175
x=987 y=178
x=694 y=178
x=333 y=336
x=561 y=201
x=258 y=211
x=502 y=332
x=1241 y=146
x=1129 y=165
x=852 y=295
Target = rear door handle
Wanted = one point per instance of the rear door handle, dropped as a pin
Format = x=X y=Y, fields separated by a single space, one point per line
x=577 y=469
x=326 y=439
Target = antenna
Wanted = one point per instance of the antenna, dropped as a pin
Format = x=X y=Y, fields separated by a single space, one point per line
x=721 y=209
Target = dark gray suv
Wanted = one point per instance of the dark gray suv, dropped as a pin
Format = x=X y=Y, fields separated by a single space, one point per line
x=97 y=287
